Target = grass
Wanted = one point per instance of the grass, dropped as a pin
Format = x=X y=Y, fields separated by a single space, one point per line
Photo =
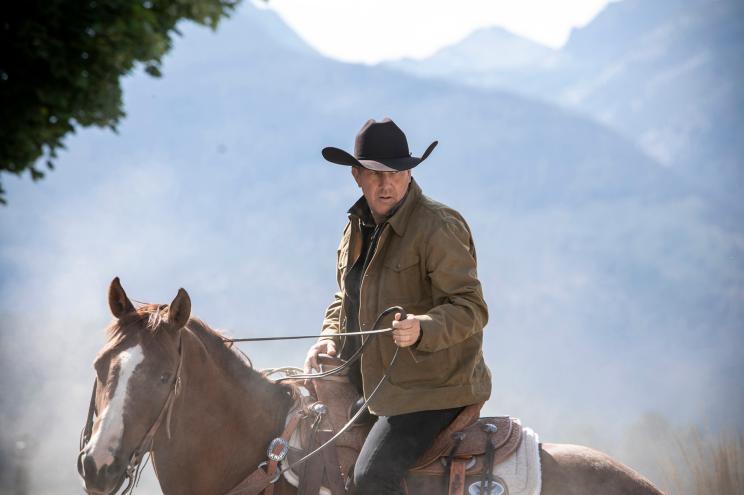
x=707 y=466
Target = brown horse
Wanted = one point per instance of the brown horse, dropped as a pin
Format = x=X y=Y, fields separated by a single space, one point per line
x=168 y=384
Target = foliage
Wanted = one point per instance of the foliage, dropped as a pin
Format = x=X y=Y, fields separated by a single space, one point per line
x=61 y=62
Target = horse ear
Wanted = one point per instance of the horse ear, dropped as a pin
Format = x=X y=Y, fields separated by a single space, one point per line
x=118 y=300
x=179 y=311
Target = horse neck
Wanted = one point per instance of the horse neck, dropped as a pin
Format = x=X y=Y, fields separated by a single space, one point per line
x=223 y=419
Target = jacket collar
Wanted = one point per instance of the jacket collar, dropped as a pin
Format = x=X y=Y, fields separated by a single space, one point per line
x=402 y=212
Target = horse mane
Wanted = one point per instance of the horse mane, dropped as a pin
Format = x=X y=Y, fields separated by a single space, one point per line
x=153 y=319
x=146 y=317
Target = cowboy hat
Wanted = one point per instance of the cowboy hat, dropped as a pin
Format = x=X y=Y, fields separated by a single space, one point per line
x=380 y=146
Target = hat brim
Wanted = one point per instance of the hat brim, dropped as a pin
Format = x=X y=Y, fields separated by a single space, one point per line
x=341 y=157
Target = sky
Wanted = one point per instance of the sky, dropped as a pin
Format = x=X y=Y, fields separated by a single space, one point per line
x=371 y=31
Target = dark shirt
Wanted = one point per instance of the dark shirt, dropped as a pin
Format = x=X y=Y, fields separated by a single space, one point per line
x=353 y=279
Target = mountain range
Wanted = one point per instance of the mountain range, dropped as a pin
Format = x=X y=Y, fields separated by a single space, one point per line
x=667 y=74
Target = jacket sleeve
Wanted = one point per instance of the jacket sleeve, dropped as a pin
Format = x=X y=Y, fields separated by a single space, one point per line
x=331 y=322
x=451 y=267
x=332 y=319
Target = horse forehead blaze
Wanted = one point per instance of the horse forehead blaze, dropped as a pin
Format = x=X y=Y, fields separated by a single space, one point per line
x=107 y=438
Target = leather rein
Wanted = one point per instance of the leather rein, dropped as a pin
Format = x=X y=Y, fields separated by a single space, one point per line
x=259 y=479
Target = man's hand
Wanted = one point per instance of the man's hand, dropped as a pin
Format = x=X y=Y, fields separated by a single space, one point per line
x=406 y=332
x=325 y=346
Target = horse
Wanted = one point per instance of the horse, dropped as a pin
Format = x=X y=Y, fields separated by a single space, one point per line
x=168 y=384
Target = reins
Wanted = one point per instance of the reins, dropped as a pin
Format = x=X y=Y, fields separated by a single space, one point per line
x=314 y=336
x=134 y=467
x=259 y=479
x=348 y=363
x=356 y=355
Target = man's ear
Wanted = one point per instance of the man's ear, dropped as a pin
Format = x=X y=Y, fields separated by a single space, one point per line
x=355 y=172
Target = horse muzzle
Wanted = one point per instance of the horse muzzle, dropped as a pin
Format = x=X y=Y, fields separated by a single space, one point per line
x=103 y=481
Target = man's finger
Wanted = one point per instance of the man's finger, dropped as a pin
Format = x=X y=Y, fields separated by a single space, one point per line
x=331 y=348
x=310 y=364
x=402 y=325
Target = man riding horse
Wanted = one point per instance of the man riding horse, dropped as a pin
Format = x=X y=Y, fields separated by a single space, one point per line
x=400 y=247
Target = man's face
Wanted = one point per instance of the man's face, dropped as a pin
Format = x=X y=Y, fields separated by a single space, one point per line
x=383 y=190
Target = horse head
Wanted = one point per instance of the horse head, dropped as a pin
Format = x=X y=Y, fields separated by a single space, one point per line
x=136 y=376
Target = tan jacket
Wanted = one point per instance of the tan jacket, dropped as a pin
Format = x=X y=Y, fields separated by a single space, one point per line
x=425 y=261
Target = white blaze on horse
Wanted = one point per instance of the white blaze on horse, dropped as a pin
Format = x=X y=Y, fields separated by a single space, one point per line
x=169 y=385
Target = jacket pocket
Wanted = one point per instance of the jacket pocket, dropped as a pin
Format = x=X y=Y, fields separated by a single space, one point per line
x=403 y=263
x=444 y=368
x=402 y=283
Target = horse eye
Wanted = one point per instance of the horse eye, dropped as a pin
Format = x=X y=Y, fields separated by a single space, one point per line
x=165 y=378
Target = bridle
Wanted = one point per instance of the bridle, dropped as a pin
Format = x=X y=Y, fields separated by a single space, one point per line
x=135 y=465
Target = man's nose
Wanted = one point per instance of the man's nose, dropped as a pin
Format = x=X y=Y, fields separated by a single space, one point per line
x=385 y=179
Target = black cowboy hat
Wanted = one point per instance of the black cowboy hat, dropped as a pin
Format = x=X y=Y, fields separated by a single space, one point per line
x=380 y=146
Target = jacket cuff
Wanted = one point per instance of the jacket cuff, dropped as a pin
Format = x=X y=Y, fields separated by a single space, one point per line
x=330 y=334
x=419 y=351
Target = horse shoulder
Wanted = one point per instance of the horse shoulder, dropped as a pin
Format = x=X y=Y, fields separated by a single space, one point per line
x=577 y=470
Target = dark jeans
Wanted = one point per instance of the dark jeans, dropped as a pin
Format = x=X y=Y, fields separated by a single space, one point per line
x=392 y=447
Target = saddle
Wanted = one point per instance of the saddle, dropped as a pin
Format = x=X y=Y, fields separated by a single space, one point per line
x=469 y=447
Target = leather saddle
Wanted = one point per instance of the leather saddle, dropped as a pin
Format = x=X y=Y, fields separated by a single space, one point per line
x=470 y=446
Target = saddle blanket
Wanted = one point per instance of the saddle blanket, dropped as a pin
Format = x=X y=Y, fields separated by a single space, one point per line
x=520 y=473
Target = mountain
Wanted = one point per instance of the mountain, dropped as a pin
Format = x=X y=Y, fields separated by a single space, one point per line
x=489 y=57
x=614 y=288
x=667 y=74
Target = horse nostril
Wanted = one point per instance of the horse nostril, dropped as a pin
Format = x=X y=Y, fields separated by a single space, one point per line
x=86 y=466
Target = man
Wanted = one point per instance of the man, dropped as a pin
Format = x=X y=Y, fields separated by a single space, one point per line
x=402 y=248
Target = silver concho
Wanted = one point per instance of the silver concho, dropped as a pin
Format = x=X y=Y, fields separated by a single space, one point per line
x=490 y=428
x=282 y=453
x=320 y=409
x=495 y=488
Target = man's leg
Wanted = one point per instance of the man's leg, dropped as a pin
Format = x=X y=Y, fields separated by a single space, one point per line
x=393 y=445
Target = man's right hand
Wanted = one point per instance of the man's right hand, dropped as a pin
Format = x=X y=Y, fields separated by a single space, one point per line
x=325 y=346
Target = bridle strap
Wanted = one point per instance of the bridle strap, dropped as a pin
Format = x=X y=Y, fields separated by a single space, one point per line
x=88 y=428
x=145 y=446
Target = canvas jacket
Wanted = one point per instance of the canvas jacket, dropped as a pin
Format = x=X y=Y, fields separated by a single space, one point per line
x=425 y=261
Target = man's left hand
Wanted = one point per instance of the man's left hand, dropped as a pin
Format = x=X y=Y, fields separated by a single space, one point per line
x=406 y=332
